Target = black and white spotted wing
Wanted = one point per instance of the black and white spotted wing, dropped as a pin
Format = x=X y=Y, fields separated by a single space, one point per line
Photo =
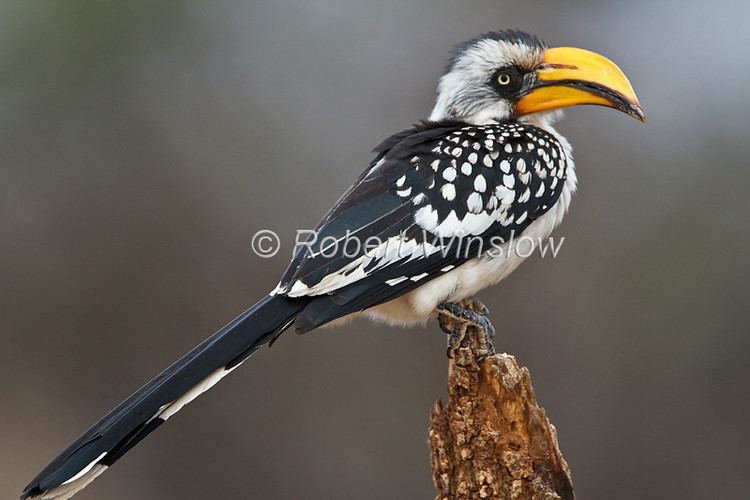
x=434 y=198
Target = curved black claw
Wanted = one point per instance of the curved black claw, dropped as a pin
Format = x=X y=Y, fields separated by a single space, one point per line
x=483 y=309
x=447 y=329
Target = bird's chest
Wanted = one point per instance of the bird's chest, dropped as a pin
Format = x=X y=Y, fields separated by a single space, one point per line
x=501 y=260
x=497 y=263
x=529 y=183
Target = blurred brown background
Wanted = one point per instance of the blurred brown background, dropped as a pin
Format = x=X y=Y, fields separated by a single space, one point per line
x=143 y=143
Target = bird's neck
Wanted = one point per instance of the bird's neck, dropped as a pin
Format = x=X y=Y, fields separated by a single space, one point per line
x=544 y=120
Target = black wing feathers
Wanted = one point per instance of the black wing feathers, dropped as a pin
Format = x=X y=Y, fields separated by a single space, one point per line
x=488 y=181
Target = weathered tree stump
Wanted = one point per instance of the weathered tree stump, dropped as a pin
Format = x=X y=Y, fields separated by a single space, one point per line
x=491 y=439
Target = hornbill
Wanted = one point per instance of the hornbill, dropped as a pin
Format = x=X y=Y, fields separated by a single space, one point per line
x=443 y=200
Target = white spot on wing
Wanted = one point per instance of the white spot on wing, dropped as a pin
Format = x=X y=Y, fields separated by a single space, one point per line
x=480 y=184
x=396 y=281
x=505 y=194
x=492 y=203
x=298 y=288
x=474 y=203
x=448 y=226
x=449 y=174
x=404 y=193
x=505 y=166
x=426 y=218
x=448 y=191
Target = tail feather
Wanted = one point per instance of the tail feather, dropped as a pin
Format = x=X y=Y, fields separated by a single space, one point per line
x=149 y=407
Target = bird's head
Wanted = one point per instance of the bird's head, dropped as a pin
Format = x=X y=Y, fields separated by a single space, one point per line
x=514 y=75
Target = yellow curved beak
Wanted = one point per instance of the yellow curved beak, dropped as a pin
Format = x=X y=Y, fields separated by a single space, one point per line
x=570 y=76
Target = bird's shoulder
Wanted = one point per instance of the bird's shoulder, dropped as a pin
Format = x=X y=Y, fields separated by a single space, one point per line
x=509 y=169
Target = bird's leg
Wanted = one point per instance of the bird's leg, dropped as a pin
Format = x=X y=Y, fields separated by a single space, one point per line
x=470 y=313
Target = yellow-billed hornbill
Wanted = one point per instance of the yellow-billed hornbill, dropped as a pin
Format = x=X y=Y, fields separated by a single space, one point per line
x=437 y=199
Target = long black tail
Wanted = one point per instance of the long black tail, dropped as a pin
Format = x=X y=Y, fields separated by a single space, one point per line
x=150 y=406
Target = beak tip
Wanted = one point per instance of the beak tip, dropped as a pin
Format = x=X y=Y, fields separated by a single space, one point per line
x=637 y=112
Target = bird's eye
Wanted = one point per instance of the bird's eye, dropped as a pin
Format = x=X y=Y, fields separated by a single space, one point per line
x=507 y=81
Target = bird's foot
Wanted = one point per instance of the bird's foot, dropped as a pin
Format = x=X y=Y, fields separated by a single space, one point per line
x=472 y=313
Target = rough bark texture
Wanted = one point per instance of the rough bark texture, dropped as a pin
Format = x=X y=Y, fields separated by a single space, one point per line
x=491 y=439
